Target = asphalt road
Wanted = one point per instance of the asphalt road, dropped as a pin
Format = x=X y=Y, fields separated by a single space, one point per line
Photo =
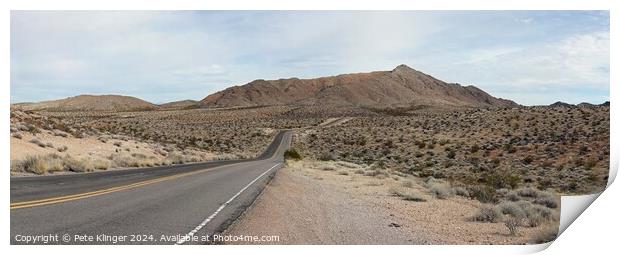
x=181 y=204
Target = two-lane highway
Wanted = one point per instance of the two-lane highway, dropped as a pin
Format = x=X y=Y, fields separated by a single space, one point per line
x=163 y=205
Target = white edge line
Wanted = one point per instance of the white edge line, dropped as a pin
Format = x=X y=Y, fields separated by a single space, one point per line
x=205 y=221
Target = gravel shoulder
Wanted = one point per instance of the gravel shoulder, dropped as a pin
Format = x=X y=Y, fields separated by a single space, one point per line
x=306 y=204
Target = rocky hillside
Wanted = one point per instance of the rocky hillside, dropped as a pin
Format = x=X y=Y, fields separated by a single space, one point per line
x=401 y=87
x=184 y=104
x=90 y=103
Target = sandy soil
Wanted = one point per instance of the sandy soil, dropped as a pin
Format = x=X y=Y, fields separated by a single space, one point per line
x=307 y=205
x=86 y=148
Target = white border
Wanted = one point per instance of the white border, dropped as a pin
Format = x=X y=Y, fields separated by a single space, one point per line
x=596 y=224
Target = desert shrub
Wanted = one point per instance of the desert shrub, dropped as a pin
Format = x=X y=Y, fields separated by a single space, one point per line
x=62 y=148
x=292 y=154
x=501 y=180
x=327 y=157
x=509 y=148
x=528 y=192
x=343 y=172
x=407 y=184
x=483 y=193
x=328 y=168
x=374 y=183
x=161 y=152
x=49 y=144
x=359 y=171
x=347 y=164
x=17 y=135
x=488 y=213
x=512 y=209
x=460 y=191
x=376 y=173
x=547 y=201
x=451 y=154
x=590 y=163
x=101 y=164
x=474 y=148
x=535 y=215
x=512 y=196
x=78 y=165
x=441 y=191
x=32 y=129
x=548 y=234
x=528 y=159
x=38 y=164
x=175 y=158
x=38 y=142
x=117 y=144
x=122 y=160
x=421 y=144
x=426 y=173
x=59 y=133
x=141 y=160
x=407 y=194
x=512 y=223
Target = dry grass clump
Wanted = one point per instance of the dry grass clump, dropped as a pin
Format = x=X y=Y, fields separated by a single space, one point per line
x=438 y=188
x=512 y=223
x=407 y=184
x=17 y=135
x=78 y=165
x=374 y=183
x=441 y=191
x=101 y=164
x=56 y=132
x=407 y=194
x=460 y=191
x=488 y=213
x=548 y=234
x=328 y=168
x=38 y=142
x=135 y=160
x=39 y=164
x=347 y=164
x=377 y=173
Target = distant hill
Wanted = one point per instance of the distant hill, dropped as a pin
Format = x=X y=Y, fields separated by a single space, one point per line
x=90 y=103
x=401 y=87
x=561 y=104
x=184 y=104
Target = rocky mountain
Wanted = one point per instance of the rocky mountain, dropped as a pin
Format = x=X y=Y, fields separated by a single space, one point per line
x=561 y=104
x=401 y=87
x=183 y=104
x=90 y=103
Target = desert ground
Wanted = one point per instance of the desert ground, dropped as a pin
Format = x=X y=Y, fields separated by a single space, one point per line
x=337 y=203
x=467 y=176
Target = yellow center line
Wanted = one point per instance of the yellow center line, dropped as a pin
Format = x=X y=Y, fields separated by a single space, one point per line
x=61 y=199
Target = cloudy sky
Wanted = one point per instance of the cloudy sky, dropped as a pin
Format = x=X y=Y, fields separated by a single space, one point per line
x=531 y=57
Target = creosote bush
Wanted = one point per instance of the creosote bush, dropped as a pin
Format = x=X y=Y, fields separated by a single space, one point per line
x=292 y=154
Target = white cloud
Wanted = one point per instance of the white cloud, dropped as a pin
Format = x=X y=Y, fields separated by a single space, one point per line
x=165 y=56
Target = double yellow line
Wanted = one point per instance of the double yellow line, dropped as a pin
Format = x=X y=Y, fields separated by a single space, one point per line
x=55 y=200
